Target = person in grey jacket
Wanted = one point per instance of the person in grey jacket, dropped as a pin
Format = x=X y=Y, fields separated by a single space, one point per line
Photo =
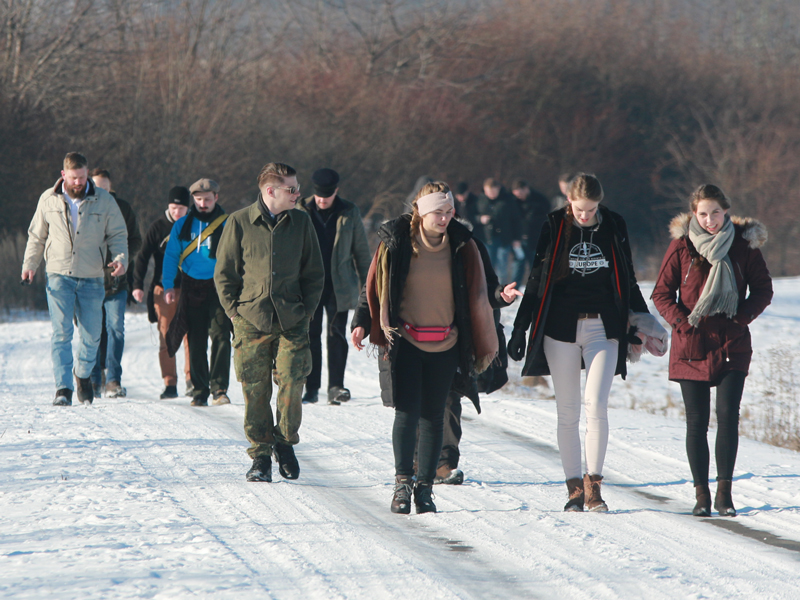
x=74 y=225
x=346 y=256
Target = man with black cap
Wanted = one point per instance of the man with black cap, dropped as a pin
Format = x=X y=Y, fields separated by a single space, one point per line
x=158 y=310
x=467 y=208
x=346 y=256
x=192 y=248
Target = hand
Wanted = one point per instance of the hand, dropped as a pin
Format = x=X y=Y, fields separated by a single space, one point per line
x=509 y=294
x=28 y=275
x=516 y=345
x=169 y=296
x=357 y=336
x=138 y=295
x=119 y=268
x=485 y=219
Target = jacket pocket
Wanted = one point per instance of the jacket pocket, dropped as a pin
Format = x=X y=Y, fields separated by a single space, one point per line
x=690 y=345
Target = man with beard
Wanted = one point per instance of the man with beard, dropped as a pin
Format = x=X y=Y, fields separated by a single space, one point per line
x=192 y=248
x=74 y=220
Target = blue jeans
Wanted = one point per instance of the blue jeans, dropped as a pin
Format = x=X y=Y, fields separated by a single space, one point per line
x=114 y=326
x=82 y=298
x=500 y=255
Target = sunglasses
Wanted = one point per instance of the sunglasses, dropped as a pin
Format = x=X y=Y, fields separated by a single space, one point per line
x=295 y=189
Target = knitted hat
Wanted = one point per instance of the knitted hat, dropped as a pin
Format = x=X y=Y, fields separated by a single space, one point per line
x=180 y=195
x=325 y=182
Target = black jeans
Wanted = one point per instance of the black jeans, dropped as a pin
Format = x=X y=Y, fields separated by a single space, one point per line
x=452 y=432
x=209 y=320
x=697 y=399
x=336 y=339
x=423 y=381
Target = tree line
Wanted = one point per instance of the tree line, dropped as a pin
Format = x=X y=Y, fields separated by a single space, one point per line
x=653 y=96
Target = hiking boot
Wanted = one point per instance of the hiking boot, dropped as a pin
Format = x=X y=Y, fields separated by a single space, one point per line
x=337 y=395
x=220 y=397
x=63 y=397
x=261 y=469
x=170 y=391
x=703 y=506
x=401 y=498
x=591 y=490
x=115 y=390
x=97 y=389
x=723 y=501
x=423 y=497
x=287 y=461
x=200 y=400
x=576 y=495
x=447 y=476
x=311 y=397
x=83 y=387
x=189 y=393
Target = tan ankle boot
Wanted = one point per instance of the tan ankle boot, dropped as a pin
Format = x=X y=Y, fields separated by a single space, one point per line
x=575 y=491
x=591 y=489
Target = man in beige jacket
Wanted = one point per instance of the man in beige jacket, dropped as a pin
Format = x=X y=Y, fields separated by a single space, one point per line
x=74 y=225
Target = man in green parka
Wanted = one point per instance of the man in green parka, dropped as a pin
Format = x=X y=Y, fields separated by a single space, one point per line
x=269 y=277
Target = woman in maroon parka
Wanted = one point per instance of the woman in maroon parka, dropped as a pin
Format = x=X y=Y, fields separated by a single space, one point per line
x=702 y=292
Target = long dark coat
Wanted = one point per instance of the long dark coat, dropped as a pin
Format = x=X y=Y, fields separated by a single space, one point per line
x=718 y=344
x=535 y=303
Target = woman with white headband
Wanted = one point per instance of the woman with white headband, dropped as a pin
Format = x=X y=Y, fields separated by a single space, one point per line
x=425 y=306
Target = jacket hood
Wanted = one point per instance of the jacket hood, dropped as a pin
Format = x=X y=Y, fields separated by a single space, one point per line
x=754 y=231
x=391 y=232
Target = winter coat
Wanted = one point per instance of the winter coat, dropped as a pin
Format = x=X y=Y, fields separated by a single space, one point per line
x=101 y=229
x=539 y=289
x=266 y=272
x=201 y=262
x=351 y=256
x=506 y=224
x=534 y=210
x=395 y=235
x=469 y=210
x=117 y=284
x=155 y=242
x=718 y=344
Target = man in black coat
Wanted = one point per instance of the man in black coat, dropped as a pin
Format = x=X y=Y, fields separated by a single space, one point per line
x=157 y=309
x=534 y=207
x=501 y=218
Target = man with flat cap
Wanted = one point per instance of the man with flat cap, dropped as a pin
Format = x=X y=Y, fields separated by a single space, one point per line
x=158 y=311
x=192 y=248
x=346 y=257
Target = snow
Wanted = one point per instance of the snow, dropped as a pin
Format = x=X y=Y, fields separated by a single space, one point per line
x=145 y=498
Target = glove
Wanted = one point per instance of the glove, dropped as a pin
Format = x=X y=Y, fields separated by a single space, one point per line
x=516 y=345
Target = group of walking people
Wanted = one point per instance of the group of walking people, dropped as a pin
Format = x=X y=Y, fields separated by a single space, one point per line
x=428 y=300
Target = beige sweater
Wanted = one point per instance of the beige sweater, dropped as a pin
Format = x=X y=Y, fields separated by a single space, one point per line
x=428 y=293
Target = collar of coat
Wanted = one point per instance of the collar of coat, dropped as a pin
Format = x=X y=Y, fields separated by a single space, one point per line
x=306 y=203
x=57 y=188
x=393 y=232
x=754 y=231
x=254 y=213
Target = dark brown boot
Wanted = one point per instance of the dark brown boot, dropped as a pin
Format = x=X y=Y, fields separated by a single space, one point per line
x=723 y=502
x=703 y=506
x=575 y=491
x=591 y=488
x=401 y=499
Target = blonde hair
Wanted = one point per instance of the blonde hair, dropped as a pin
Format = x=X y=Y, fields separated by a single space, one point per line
x=75 y=160
x=274 y=173
x=416 y=218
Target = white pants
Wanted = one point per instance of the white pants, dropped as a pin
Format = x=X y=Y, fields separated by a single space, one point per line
x=599 y=355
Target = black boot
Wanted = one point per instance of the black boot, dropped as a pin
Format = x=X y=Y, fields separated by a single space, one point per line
x=423 y=497
x=703 y=506
x=576 y=495
x=83 y=387
x=723 y=502
x=287 y=461
x=261 y=469
x=401 y=499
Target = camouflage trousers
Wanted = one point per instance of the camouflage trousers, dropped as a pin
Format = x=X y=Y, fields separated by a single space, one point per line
x=259 y=357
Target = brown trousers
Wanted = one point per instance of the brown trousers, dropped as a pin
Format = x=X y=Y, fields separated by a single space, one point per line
x=165 y=312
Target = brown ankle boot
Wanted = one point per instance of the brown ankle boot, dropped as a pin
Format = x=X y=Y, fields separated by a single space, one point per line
x=575 y=491
x=723 y=502
x=703 y=496
x=591 y=488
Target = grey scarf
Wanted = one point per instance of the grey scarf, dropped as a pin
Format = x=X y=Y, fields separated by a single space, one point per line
x=720 y=294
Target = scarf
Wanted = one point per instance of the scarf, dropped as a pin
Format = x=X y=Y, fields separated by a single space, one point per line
x=720 y=294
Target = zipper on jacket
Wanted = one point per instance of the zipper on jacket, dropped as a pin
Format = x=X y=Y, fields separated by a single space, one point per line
x=689 y=270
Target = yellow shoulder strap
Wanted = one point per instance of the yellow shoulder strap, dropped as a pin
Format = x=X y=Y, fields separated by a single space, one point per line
x=201 y=238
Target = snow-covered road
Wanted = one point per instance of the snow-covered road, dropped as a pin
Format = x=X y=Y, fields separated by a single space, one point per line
x=145 y=498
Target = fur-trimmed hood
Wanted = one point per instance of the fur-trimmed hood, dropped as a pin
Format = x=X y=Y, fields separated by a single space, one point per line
x=754 y=231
